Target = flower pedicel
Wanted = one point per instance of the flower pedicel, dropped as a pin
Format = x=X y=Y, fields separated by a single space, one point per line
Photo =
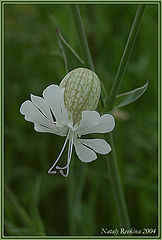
x=68 y=110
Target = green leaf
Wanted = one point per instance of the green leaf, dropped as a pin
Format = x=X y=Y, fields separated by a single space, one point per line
x=71 y=58
x=129 y=97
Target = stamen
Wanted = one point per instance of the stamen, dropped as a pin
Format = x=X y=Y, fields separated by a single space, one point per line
x=70 y=149
x=50 y=170
x=67 y=172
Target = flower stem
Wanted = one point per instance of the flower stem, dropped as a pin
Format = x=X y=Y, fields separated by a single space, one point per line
x=126 y=54
x=79 y=181
x=117 y=188
x=82 y=37
x=112 y=162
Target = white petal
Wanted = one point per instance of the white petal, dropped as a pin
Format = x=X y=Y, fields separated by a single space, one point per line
x=60 y=131
x=32 y=114
x=54 y=95
x=85 y=154
x=105 y=124
x=98 y=145
x=89 y=120
x=40 y=103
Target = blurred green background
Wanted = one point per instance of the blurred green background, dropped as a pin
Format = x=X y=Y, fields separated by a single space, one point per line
x=40 y=204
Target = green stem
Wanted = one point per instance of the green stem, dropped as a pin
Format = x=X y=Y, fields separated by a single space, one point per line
x=117 y=186
x=82 y=37
x=126 y=54
x=75 y=222
x=112 y=162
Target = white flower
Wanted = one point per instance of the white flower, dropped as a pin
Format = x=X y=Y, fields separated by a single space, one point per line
x=50 y=115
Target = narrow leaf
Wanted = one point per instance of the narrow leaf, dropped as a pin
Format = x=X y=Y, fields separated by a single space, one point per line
x=71 y=58
x=70 y=48
x=129 y=97
x=63 y=53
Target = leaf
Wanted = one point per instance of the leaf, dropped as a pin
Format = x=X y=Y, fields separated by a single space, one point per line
x=71 y=58
x=129 y=97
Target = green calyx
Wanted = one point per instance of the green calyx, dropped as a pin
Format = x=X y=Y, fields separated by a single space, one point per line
x=82 y=92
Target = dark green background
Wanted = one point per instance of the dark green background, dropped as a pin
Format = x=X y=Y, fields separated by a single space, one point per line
x=32 y=62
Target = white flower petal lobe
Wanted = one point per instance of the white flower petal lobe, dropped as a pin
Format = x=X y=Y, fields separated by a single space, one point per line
x=54 y=95
x=40 y=103
x=32 y=114
x=90 y=119
x=98 y=145
x=85 y=154
x=105 y=124
x=58 y=131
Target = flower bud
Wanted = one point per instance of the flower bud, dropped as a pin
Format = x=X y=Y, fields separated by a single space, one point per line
x=82 y=92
